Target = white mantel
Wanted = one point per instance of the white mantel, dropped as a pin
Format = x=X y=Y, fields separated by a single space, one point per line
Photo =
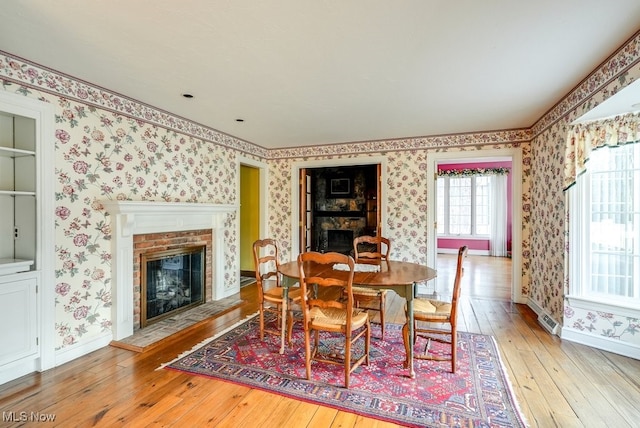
x=130 y=218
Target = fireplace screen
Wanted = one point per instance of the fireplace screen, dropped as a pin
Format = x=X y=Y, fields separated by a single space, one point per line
x=171 y=281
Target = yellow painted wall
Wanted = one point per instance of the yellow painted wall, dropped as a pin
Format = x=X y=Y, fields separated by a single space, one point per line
x=249 y=214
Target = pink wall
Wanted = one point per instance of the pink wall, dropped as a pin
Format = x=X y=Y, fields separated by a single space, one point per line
x=479 y=244
x=455 y=243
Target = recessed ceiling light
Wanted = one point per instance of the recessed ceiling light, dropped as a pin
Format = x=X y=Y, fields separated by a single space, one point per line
x=239 y=120
x=187 y=95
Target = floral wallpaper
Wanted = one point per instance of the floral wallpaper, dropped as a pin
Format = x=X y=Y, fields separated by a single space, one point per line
x=549 y=220
x=110 y=147
x=102 y=154
x=105 y=156
x=406 y=191
x=604 y=324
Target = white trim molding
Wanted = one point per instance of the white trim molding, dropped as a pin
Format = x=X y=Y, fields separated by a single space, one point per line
x=535 y=307
x=69 y=353
x=130 y=218
x=591 y=304
x=326 y=163
x=601 y=342
x=515 y=155
x=470 y=252
x=263 y=191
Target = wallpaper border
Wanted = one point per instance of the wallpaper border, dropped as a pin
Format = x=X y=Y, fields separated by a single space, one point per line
x=615 y=68
x=28 y=74
x=470 y=139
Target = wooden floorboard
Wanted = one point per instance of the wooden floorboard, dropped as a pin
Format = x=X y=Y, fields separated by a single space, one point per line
x=557 y=383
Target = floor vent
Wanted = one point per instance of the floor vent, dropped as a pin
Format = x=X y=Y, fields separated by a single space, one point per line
x=548 y=323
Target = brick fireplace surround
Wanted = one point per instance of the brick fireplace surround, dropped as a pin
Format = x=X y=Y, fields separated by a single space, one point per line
x=131 y=218
x=153 y=242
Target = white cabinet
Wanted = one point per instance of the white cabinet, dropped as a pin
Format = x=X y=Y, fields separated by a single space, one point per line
x=17 y=193
x=18 y=317
x=27 y=280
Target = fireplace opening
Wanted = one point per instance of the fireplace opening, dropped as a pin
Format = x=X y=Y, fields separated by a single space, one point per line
x=340 y=240
x=171 y=281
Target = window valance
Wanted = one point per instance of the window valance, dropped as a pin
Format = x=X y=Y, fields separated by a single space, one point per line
x=583 y=138
x=471 y=172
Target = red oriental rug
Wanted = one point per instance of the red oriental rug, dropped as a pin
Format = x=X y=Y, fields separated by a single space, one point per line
x=477 y=395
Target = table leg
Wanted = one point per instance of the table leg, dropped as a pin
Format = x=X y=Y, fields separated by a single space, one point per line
x=283 y=322
x=409 y=296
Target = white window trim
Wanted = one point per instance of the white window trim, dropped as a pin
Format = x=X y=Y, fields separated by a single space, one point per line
x=608 y=307
x=579 y=230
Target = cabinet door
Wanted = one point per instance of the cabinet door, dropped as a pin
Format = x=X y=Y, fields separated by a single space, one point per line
x=18 y=334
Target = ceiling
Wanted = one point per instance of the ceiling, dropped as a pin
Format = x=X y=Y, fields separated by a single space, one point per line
x=318 y=72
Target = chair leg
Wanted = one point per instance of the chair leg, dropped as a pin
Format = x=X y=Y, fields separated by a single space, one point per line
x=347 y=360
x=367 y=341
x=289 y=326
x=454 y=349
x=382 y=307
x=261 y=322
x=307 y=352
x=316 y=342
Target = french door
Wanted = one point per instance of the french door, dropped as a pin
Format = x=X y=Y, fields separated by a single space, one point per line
x=306 y=206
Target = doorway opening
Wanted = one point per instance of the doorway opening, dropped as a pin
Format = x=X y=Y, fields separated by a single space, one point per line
x=338 y=203
x=252 y=217
x=436 y=246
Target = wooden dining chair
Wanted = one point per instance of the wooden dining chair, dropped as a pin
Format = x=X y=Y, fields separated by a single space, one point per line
x=270 y=292
x=437 y=311
x=324 y=310
x=368 y=248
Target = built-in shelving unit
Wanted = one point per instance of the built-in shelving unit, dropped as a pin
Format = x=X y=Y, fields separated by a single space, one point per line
x=25 y=192
x=17 y=193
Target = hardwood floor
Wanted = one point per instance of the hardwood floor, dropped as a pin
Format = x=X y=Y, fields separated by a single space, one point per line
x=558 y=383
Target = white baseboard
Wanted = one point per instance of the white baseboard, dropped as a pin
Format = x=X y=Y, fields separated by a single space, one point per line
x=20 y=368
x=534 y=306
x=606 y=344
x=550 y=324
x=588 y=339
x=14 y=370
x=72 y=352
x=470 y=252
x=229 y=292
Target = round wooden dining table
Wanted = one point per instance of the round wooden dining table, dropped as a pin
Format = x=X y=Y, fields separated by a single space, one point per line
x=401 y=277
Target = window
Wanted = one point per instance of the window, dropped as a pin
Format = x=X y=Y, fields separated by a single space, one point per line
x=605 y=238
x=463 y=205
